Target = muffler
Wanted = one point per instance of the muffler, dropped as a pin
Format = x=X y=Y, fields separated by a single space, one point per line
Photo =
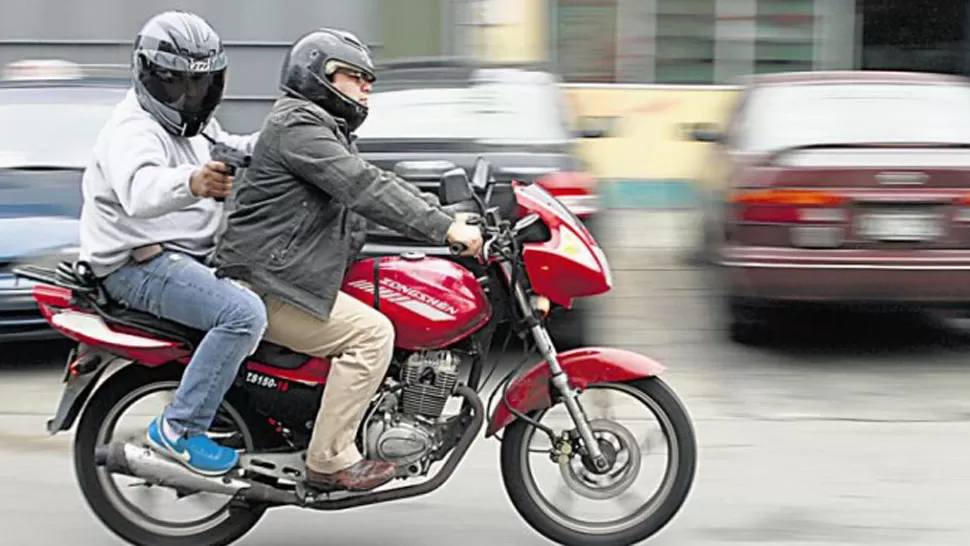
x=142 y=462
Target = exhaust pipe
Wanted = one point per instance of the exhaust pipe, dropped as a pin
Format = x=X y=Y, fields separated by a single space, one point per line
x=142 y=462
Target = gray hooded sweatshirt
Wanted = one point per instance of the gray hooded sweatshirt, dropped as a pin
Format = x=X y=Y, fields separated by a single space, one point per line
x=136 y=190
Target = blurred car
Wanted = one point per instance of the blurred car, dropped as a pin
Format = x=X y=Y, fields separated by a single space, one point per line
x=847 y=187
x=429 y=115
x=50 y=116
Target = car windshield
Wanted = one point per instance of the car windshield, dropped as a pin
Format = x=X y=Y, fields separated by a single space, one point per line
x=44 y=128
x=492 y=113
x=781 y=117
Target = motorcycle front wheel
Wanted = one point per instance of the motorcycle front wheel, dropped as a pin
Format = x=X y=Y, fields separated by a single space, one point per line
x=578 y=479
x=148 y=515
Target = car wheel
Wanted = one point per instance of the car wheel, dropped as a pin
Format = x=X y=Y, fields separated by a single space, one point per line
x=743 y=323
x=954 y=321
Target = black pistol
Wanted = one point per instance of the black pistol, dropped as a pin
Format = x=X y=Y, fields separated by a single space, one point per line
x=233 y=158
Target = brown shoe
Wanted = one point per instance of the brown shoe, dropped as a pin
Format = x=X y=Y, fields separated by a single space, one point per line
x=363 y=476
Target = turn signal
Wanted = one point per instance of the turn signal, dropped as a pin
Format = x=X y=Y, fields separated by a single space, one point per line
x=784 y=206
x=542 y=305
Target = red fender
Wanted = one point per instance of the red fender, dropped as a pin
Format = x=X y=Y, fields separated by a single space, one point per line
x=586 y=366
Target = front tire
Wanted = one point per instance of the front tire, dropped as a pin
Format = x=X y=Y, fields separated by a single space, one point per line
x=105 y=406
x=520 y=484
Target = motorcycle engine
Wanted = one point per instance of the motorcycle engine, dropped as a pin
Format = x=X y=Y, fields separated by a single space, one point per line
x=402 y=428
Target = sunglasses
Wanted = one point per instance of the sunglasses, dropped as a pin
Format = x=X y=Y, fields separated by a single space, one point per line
x=357 y=75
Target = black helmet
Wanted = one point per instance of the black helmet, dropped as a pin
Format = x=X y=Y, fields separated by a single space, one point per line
x=310 y=64
x=179 y=69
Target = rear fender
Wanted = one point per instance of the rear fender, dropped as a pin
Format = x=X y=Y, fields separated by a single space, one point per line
x=81 y=377
x=586 y=366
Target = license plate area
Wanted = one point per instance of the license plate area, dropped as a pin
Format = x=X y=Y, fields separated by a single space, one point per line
x=900 y=224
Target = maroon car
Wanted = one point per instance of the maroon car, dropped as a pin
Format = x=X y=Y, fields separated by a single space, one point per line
x=840 y=187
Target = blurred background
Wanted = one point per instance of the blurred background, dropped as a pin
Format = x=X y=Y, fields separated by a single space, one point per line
x=786 y=220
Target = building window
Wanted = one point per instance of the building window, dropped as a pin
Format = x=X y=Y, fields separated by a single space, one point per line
x=785 y=32
x=585 y=38
x=414 y=28
x=683 y=41
x=921 y=36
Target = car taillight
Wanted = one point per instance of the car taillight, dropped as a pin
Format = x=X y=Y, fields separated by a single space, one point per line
x=575 y=190
x=789 y=206
x=963 y=213
x=815 y=217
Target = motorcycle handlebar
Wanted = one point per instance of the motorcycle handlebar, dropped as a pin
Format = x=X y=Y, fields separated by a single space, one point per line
x=474 y=220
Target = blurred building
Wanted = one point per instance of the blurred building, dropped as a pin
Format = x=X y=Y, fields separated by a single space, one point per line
x=641 y=67
x=651 y=66
x=588 y=41
x=257 y=34
x=716 y=41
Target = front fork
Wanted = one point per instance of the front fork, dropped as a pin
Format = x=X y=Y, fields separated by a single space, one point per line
x=559 y=379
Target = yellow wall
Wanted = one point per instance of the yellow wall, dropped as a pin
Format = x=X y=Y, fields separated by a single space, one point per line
x=518 y=33
x=648 y=141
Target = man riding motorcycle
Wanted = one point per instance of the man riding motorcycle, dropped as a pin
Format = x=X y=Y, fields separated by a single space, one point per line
x=298 y=222
x=147 y=226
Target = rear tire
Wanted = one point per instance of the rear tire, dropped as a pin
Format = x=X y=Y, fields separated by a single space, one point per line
x=515 y=477
x=240 y=520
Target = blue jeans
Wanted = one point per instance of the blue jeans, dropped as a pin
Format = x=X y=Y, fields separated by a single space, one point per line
x=178 y=288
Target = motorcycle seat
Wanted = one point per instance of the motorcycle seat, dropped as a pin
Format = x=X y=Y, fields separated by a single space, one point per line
x=76 y=275
x=267 y=353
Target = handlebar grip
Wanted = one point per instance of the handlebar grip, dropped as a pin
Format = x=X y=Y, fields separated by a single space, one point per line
x=457 y=248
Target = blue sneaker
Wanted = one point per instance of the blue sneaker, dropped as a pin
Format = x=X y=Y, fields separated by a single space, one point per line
x=197 y=453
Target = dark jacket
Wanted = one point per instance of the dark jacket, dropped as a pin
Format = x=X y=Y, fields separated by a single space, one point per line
x=299 y=212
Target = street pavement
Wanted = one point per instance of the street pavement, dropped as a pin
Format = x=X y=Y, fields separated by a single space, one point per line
x=840 y=429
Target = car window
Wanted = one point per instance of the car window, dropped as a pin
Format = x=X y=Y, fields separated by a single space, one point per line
x=782 y=116
x=494 y=113
x=52 y=127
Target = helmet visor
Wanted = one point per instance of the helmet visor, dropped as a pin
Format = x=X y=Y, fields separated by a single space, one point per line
x=186 y=91
x=354 y=71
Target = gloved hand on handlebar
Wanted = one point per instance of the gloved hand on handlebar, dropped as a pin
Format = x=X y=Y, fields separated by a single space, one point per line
x=464 y=239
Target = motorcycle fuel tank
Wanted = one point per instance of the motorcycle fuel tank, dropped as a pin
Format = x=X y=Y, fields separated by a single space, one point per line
x=432 y=302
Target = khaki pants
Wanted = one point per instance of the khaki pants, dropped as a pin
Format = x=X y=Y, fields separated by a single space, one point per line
x=360 y=341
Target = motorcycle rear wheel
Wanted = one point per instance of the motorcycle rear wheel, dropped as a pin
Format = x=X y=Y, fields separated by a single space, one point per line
x=99 y=417
x=522 y=490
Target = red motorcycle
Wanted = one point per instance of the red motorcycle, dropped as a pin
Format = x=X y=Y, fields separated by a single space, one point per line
x=445 y=313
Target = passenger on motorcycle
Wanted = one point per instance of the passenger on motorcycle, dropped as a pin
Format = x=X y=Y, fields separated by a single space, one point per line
x=148 y=227
x=300 y=220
